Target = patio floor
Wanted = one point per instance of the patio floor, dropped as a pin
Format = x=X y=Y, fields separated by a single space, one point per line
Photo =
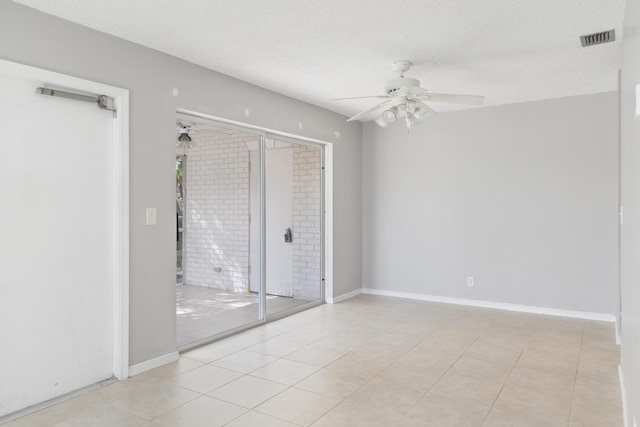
x=202 y=312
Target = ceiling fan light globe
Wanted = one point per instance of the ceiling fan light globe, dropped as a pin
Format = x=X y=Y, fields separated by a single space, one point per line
x=380 y=122
x=390 y=115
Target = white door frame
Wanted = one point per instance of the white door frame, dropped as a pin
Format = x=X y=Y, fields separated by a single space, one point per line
x=120 y=197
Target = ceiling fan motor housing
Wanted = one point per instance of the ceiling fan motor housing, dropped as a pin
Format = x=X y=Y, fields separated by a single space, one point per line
x=395 y=86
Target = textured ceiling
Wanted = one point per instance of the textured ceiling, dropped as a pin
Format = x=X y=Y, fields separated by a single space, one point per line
x=507 y=50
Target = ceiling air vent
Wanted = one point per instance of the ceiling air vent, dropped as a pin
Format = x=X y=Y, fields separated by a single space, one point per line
x=598 y=38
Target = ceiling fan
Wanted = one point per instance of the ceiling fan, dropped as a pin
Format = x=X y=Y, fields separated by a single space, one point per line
x=184 y=139
x=404 y=98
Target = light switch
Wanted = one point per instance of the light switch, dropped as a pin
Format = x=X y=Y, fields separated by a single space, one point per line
x=152 y=216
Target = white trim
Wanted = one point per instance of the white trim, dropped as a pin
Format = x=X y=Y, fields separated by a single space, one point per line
x=245 y=126
x=328 y=223
x=496 y=305
x=344 y=297
x=150 y=364
x=121 y=197
x=623 y=397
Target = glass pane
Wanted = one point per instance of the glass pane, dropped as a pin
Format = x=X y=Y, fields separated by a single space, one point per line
x=217 y=292
x=293 y=224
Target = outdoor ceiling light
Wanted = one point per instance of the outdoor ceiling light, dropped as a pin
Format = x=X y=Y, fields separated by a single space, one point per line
x=184 y=136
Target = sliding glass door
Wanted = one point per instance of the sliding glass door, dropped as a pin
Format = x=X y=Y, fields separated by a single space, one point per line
x=251 y=241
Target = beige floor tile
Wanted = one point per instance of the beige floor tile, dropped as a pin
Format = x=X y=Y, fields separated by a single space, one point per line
x=500 y=417
x=594 y=413
x=297 y=406
x=558 y=336
x=554 y=381
x=205 y=378
x=62 y=411
x=318 y=354
x=385 y=350
x=603 y=388
x=597 y=367
x=602 y=354
x=434 y=358
x=248 y=391
x=276 y=347
x=332 y=384
x=482 y=369
x=256 y=419
x=440 y=411
x=176 y=368
x=534 y=403
x=202 y=412
x=156 y=399
x=285 y=371
x=466 y=388
x=108 y=416
x=483 y=351
x=510 y=329
x=305 y=334
x=409 y=377
x=503 y=341
x=244 y=361
x=536 y=358
x=458 y=339
x=356 y=364
x=356 y=414
x=392 y=397
x=211 y=352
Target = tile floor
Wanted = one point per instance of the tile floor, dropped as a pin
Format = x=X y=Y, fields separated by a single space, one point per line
x=203 y=312
x=374 y=361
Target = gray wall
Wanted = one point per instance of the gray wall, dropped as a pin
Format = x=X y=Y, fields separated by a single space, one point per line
x=521 y=197
x=40 y=40
x=630 y=230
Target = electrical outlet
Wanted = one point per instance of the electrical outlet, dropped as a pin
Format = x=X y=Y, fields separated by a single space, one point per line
x=470 y=282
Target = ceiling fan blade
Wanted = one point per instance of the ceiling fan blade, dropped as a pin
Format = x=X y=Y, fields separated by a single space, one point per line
x=370 y=110
x=450 y=98
x=360 y=97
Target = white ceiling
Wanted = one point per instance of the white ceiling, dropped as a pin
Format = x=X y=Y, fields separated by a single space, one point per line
x=315 y=50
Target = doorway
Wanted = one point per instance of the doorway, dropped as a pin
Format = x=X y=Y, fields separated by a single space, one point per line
x=252 y=208
x=65 y=242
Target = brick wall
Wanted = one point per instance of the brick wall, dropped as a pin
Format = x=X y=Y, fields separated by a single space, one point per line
x=217 y=215
x=306 y=222
x=217 y=212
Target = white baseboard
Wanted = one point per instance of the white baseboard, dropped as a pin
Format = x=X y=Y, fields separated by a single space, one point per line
x=344 y=297
x=150 y=364
x=623 y=396
x=492 y=304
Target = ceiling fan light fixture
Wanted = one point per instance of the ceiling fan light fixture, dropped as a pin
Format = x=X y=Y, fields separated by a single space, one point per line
x=421 y=113
x=380 y=122
x=390 y=115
